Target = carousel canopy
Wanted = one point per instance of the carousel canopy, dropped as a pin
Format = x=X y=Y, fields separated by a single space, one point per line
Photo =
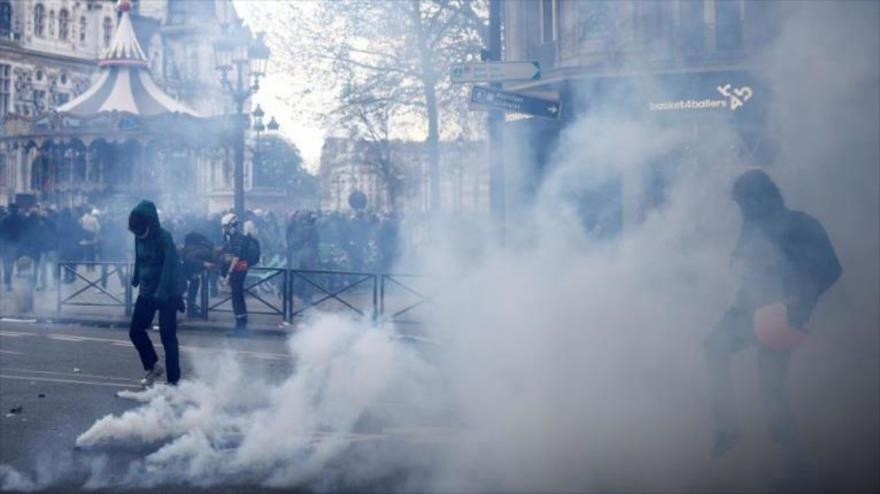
x=124 y=83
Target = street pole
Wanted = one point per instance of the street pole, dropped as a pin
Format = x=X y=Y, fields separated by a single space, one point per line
x=239 y=160
x=495 y=121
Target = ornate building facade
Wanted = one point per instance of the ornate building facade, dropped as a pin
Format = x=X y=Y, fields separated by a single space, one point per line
x=49 y=53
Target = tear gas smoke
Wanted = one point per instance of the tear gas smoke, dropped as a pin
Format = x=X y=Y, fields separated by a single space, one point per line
x=571 y=364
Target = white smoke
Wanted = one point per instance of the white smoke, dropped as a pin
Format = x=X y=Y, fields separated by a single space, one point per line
x=570 y=364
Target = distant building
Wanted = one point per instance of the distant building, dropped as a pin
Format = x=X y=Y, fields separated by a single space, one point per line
x=49 y=51
x=683 y=63
x=394 y=176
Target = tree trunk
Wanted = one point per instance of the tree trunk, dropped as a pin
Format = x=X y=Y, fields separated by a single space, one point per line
x=429 y=81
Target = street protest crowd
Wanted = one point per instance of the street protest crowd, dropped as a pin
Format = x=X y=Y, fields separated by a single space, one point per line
x=43 y=236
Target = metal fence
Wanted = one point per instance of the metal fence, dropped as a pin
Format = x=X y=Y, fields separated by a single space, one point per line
x=277 y=293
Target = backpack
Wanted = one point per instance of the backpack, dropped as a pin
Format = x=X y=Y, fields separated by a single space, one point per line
x=251 y=250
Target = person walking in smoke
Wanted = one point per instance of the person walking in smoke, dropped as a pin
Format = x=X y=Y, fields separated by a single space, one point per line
x=787 y=262
x=156 y=273
x=235 y=271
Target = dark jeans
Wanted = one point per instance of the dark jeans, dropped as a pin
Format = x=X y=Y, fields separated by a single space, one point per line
x=194 y=281
x=144 y=310
x=106 y=269
x=733 y=333
x=239 y=307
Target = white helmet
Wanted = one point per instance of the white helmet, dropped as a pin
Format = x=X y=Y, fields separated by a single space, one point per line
x=229 y=220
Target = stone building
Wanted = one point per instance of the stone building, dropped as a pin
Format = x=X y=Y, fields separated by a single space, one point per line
x=49 y=53
x=680 y=63
x=394 y=175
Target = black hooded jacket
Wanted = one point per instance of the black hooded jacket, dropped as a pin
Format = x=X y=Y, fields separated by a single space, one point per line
x=786 y=255
x=156 y=267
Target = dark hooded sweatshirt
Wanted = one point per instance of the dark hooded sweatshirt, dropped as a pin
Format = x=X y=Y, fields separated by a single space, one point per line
x=156 y=264
x=787 y=254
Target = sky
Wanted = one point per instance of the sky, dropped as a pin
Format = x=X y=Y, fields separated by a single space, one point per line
x=308 y=136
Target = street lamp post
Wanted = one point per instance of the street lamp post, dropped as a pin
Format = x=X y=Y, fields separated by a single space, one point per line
x=235 y=50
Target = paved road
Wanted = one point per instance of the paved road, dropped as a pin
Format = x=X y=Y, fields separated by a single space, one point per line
x=65 y=377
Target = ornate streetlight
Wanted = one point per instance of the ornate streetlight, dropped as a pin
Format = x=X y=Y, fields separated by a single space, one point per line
x=246 y=57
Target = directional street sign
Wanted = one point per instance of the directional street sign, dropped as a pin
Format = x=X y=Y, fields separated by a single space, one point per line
x=495 y=71
x=487 y=98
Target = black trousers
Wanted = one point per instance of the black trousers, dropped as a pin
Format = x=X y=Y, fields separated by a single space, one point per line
x=239 y=307
x=732 y=334
x=145 y=309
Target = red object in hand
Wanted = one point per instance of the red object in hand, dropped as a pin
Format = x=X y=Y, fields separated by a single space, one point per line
x=772 y=328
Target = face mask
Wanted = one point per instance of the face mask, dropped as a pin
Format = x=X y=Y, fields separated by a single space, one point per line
x=146 y=232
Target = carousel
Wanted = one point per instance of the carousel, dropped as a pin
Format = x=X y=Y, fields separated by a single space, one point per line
x=122 y=139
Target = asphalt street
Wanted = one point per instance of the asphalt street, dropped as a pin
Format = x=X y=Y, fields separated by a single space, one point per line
x=57 y=380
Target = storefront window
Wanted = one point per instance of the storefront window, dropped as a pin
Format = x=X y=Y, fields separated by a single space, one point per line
x=728 y=25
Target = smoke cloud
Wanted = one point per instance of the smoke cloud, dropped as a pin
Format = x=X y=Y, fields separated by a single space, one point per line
x=567 y=363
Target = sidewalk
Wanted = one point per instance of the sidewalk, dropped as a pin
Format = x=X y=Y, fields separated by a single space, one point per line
x=46 y=302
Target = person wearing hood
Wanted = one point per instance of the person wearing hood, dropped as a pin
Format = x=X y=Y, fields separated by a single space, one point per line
x=786 y=262
x=157 y=276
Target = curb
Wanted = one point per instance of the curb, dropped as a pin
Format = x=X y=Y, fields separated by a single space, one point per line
x=216 y=329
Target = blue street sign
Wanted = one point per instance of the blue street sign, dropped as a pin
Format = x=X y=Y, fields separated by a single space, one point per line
x=487 y=98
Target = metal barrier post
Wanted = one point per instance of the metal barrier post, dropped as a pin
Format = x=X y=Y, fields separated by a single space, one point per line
x=285 y=293
x=129 y=295
x=58 y=285
x=382 y=294
x=375 y=297
x=204 y=294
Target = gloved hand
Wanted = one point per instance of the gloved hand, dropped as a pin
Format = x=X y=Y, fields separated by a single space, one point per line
x=181 y=305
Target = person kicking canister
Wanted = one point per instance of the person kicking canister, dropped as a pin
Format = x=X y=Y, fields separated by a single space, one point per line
x=156 y=274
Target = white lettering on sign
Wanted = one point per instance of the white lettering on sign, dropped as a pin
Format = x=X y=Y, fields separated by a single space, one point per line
x=735 y=98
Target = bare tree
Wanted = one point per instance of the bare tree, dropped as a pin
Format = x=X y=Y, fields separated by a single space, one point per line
x=378 y=70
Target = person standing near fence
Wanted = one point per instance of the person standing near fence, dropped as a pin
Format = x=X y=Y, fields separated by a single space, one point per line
x=235 y=271
x=157 y=276
x=12 y=226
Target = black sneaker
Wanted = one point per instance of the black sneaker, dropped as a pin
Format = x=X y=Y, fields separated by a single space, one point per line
x=725 y=440
x=153 y=375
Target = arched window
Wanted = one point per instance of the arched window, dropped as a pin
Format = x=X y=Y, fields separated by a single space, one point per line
x=40 y=20
x=5 y=18
x=51 y=23
x=83 y=25
x=108 y=31
x=63 y=24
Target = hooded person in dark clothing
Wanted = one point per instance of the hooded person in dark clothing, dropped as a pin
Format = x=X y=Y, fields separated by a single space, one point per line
x=786 y=262
x=13 y=226
x=157 y=276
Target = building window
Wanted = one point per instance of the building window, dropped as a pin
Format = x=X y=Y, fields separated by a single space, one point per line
x=5 y=18
x=728 y=25
x=108 y=31
x=83 y=24
x=692 y=27
x=5 y=88
x=51 y=23
x=548 y=21
x=39 y=101
x=40 y=20
x=61 y=98
x=63 y=24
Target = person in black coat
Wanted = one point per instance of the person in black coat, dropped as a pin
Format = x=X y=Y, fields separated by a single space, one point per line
x=785 y=257
x=198 y=256
x=14 y=226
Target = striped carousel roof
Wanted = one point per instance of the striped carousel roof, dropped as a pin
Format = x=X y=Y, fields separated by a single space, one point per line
x=124 y=83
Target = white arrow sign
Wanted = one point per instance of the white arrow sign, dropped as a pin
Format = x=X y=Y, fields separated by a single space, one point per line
x=495 y=71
